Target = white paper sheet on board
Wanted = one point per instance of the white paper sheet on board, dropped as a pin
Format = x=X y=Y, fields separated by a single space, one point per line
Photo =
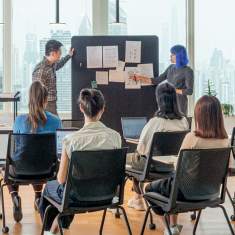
x=121 y=65
x=94 y=56
x=146 y=70
x=130 y=83
x=116 y=76
x=102 y=77
x=110 y=56
x=133 y=52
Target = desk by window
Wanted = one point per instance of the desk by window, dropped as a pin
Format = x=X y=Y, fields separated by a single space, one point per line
x=11 y=97
x=5 y=130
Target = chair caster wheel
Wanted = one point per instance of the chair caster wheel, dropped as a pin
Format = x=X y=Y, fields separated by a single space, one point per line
x=117 y=215
x=152 y=226
x=0 y=216
x=193 y=216
x=5 y=229
x=232 y=217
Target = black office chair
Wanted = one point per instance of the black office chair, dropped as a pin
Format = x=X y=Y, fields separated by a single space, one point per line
x=163 y=144
x=94 y=179
x=31 y=159
x=189 y=119
x=232 y=200
x=201 y=188
x=72 y=123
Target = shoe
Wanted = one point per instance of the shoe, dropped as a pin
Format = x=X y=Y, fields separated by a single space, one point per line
x=50 y=233
x=175 y=230
x=136 y=204
x=114 y=211
x=17 y=210
x=36 y=204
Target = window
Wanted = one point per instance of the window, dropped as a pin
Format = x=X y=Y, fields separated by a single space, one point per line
x=1 y=48
x=214 y=49
x=166 y=19
x=31 y=29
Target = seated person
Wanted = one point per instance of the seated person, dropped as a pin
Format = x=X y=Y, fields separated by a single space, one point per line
x=167 y=118
x=209 y=133
x=36 y=121
x=93 y=136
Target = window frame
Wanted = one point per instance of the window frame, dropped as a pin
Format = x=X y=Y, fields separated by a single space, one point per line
x=100 y=26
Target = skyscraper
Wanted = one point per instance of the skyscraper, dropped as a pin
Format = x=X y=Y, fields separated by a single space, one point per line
x=64 y=74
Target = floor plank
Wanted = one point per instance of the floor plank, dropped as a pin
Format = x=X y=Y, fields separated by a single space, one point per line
x=212 y=221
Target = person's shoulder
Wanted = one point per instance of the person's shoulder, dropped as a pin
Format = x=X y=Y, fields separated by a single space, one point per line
x=21 y=118
x=155 y=119
x=20 y=123
x=190 y=137
x=39 y=64
x=113 y=132
x=170 y=67
x=53 y=118
x=188 y=69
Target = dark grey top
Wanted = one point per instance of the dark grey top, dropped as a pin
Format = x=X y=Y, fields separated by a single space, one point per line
x=181 y=78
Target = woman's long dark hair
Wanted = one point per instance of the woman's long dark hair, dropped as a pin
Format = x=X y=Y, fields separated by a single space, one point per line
x=167 y=102
x=37 y=98
x=209 y=122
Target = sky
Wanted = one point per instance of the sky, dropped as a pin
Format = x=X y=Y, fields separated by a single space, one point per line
x=214 y=27
x=35 y=16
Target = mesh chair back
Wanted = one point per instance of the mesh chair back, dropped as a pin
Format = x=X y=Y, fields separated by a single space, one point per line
x=32 y=154
x=189 y=119
x=95 y=176
x=164 y=144
x=233 y=142
x=72 y=123
x=202 y=172
x=167 y=143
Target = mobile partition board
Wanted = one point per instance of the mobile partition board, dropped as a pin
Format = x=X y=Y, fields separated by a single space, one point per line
x=120 y=102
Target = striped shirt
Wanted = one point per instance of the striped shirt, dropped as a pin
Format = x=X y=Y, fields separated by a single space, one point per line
x=46 y=73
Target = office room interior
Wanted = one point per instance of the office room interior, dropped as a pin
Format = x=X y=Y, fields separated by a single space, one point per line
x=117 y=117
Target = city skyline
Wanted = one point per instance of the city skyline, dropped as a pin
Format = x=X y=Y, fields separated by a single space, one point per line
x=214 y=59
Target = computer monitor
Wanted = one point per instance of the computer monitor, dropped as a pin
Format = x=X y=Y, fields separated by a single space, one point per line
x=132 y=127
x=60 y=134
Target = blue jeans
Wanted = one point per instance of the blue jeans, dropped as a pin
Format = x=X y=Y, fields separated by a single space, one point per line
x=54 y=190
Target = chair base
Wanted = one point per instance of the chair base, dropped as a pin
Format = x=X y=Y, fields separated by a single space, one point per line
x=232 y=200
x=193 y=216
x=152 y=226
x=5 y=229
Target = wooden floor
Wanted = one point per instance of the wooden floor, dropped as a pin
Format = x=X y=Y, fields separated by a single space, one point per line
x=212 y=221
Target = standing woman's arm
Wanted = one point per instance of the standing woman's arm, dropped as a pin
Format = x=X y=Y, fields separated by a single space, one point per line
x=153 y=81
x=189 y=82
x=162 y=77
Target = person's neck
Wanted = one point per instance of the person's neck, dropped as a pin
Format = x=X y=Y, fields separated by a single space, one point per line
x=50 y=60
x=89 y=120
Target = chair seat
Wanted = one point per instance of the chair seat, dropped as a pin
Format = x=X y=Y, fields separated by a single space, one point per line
x=27 y=179
x=83 y=207
x=160 y=175
x=181 y=206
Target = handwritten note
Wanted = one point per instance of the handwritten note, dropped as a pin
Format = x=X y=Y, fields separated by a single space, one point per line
x=94 y=56
x=133 y=52
x=102 y=77
x=110 y=56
